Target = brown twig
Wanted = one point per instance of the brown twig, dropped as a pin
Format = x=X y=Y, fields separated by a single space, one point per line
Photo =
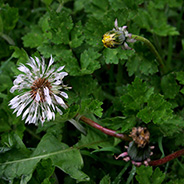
x=167 y=158
x=105 y=130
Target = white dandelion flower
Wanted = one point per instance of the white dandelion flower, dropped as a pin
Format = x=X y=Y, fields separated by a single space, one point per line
x=41 y=91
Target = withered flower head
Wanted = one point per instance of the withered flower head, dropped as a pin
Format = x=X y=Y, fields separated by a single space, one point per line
x=140 y=136
x=138 y=150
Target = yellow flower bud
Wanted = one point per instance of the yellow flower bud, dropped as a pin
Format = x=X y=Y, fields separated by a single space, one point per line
x=113 y=39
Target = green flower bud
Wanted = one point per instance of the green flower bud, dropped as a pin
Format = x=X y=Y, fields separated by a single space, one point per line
x=113 y=39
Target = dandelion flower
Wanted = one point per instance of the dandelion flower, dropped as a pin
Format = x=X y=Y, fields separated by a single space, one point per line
x=40 y=88
x=119 y=36
x=138 y=150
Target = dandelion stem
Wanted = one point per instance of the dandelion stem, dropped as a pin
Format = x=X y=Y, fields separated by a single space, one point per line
x=105 y=130
x=152 y=48
x=167 y=158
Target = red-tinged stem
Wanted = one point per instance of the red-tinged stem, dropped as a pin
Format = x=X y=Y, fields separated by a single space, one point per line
x=105 y=130
x=167 y=158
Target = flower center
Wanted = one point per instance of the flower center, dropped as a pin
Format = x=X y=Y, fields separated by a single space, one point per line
x=38 y=87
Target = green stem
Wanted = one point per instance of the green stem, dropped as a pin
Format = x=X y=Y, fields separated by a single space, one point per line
x=152 y=48
x=7 y=38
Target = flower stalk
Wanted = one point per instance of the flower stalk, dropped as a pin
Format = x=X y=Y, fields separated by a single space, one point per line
x=105 y=130
x=152 y=48
x=127 y=138
x=167 y=158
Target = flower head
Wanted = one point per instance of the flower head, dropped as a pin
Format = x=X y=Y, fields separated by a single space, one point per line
x=40 y=91
x=138 y=151
x=117 y=37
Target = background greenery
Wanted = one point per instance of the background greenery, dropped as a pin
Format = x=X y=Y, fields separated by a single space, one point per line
x=117 y=88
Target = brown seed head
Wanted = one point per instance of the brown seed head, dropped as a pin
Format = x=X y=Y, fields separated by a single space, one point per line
x=140 y=135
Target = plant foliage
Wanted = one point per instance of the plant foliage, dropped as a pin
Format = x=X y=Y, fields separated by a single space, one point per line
x=119 y=89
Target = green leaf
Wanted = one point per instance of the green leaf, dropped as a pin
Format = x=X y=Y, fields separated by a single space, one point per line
x=177 y=181
x=93 y=32
x=60 y=28
x=88 y=61
x=169 y=86
x=43 y=171
x=155 y=21
x=20 y=54
x=47 y=2
x=34 y=38
x=139 y=64
x=105 y=180
x=113 y=56
x=158 y=176
x=137 y=94
x=145 y=175
x=15 y=163
x=1 y=25
x=94 y=139
x=77 y=36
x=157 y=110
x=119 y=123
x=180 y=77
x=91 y=106
x=9 y=17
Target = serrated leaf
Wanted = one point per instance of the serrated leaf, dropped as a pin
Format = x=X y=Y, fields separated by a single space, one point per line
x=137 y=94
x=91 y=106
x=157 y=110
x=20 y=54
x=139 y=64
x=88 y=61
x=77 y=36
x=180 y=77
x=145 y=175
x=61 y=25
x=169 y=86
x=9 y=17
x=34 y=38
x=93 y=32
x=155 y=21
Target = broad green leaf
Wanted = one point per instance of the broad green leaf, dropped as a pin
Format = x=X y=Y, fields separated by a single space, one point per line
x=15 y=163
x=105 y=180
x=43 y=172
